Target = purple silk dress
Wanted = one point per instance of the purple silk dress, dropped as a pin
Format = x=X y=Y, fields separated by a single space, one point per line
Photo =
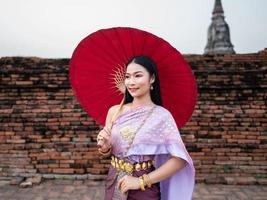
x=158 y=140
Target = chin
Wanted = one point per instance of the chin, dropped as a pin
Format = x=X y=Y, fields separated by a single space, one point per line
x=135 y=95
x=138 y=95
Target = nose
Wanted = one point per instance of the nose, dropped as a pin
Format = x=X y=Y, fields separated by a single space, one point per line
x=130 y=81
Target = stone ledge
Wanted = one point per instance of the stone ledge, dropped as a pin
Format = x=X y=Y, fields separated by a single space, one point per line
x=33 y=179
x=63 y=176
x=74 y=176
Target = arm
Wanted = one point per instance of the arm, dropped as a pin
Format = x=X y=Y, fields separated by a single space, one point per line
x=170 y=167
x=110 y=114
x=104 y=135
x=166 y=170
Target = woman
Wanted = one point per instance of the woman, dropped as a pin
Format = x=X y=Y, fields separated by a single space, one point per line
x=149 y=158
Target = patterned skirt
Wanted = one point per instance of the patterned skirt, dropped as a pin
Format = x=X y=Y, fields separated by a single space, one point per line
x=112 y=191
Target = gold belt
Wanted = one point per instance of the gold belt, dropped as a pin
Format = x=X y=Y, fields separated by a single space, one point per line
x=128 y=167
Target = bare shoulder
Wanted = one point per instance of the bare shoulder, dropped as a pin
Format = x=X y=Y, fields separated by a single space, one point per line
x=112 y=110
x=115 y=108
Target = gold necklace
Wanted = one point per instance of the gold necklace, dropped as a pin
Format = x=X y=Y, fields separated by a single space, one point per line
x=127 y=133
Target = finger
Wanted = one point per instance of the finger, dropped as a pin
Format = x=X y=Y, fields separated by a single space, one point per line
x=120 y=182
x=107 y=127
x=99 y=138
x=104 y=134
x=123 y=184
x=100 y=143
x=124 y=189
x=107 y=130
x=106 y=138
x=101 y=133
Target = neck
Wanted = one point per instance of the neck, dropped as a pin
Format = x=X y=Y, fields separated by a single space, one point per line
x=146 y=100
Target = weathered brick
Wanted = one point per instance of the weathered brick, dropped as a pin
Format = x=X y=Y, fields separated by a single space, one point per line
x=15 y=141
x=63 y=171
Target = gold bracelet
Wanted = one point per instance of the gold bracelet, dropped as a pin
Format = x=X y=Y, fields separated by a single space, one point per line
x=107 y=153
x=142 y=185
x=147 y=180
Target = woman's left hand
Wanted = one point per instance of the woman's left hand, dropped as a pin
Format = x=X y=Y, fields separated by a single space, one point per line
x=128 y=183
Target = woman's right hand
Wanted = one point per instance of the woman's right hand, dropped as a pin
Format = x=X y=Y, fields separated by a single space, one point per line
x=104 y=139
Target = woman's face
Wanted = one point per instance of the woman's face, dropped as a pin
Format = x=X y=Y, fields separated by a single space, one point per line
x=137 y=80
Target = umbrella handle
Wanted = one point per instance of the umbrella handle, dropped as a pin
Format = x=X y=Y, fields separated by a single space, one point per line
x=116 y=114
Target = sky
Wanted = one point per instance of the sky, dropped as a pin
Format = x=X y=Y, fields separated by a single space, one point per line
x=53 y=28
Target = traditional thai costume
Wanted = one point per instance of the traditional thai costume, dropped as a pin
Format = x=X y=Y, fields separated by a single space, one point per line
x=153 y=144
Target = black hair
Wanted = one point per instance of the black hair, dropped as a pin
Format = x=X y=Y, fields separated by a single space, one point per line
x=151 y=67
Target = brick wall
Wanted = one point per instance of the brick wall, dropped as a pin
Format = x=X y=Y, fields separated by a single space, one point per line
x=43 y=130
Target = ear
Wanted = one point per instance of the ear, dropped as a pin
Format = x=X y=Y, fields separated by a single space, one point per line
x=152 y=79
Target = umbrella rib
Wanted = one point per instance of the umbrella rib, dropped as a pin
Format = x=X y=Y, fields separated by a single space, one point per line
x=104 y=50
x=121 y=44
x=131 y=42
x=157 y=47
x=168 y=55
x=144 y=41
x=110 y=42
x=109 y=96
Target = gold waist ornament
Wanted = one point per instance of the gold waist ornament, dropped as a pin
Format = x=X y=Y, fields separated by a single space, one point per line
x=128 y=167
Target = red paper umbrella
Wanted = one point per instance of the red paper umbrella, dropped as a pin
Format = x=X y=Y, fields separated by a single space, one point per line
x=97 y=71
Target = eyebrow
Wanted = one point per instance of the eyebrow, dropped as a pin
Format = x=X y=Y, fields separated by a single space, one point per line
x=135 y=72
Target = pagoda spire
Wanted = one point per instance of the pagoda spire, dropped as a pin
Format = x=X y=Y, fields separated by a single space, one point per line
x=219 y=41
x=218 y=9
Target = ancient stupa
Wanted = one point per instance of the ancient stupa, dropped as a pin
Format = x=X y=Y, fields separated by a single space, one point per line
x=219 y=41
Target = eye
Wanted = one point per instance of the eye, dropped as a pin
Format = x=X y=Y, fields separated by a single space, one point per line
x=127 y=76
x=138 y=75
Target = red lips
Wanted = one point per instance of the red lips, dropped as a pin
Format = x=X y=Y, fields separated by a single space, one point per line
x=132 y=89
